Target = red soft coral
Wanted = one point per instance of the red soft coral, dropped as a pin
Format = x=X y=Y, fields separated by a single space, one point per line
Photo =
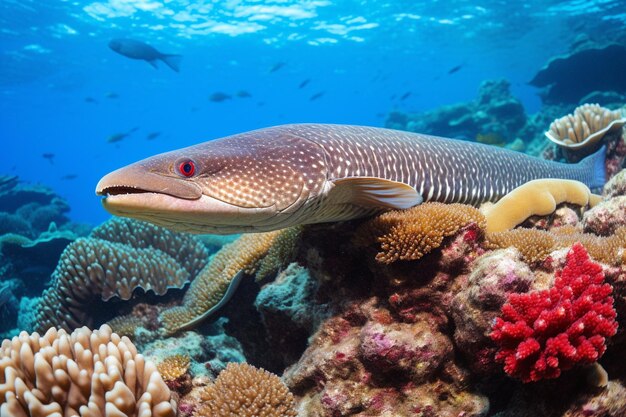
x=542 y=333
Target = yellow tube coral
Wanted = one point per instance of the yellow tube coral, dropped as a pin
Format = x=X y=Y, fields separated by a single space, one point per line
x=535 y=198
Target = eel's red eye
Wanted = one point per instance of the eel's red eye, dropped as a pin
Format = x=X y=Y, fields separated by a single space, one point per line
x=187 y=168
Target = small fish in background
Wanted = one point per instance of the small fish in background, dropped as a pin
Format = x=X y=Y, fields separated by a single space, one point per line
x=153 y=135
x=260 y=104
x=134 y=49
x=118 y=137
x=304 y=83
x=69 y=177
x=405 y=96
x=218 y=97
x=393 y=97
x=49 y=156
x=317 y=95
x=243 y=94
x=454 y=69
x=91 y=100
x=277 y=66
x=112 y=95
x=194 y=109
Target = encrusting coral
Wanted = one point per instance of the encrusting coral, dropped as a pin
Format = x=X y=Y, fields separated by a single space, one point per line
x=241 y=390
x=585 y=127
x=173 y=367
x=536 y=245
x=215 y=283
x=100 y=267
x=410 y=234
x=537 y=197
x=542 y=333
x=87 y=373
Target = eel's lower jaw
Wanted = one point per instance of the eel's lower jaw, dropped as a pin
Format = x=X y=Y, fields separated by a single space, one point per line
x=203 y=215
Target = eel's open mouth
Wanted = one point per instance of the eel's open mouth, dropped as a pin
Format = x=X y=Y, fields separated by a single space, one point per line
x=118 y=190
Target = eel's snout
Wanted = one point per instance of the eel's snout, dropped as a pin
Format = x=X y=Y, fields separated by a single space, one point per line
x=136 y=179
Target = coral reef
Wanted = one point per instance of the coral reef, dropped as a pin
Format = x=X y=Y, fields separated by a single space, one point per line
x=495 y=116
x=567 y=78
x=241 y=390
x=387 y=316
x=82 y=373
x=100 y=267
x=538 y=197
x=410 y=234
x=34 y=230
x=542 y=333
x=211 y=287
x=585 y=127
x=536 y=245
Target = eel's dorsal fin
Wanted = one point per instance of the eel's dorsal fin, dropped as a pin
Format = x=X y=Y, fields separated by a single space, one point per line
x=374 y=192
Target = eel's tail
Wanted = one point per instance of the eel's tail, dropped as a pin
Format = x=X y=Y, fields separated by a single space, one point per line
x=594 y=164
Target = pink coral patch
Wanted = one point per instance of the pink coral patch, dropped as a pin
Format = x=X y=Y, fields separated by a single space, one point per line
x=542 y=333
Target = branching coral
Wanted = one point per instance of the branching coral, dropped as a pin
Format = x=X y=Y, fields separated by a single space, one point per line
x=173 y=367
x=93 y=270
x=585 y=127
x=86 y=373
x=241 y=390
x=217 y=281
x=535 y=245
x=538 y=197
x=542 y=333
x=410 y=234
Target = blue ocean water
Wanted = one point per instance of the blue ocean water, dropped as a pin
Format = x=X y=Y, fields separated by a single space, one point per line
x=64 y=92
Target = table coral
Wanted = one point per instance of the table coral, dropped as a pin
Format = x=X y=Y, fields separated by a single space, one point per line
x=84 y=373
x=543 y=333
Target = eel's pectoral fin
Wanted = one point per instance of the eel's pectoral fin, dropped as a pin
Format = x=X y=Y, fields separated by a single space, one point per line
x=374 y=192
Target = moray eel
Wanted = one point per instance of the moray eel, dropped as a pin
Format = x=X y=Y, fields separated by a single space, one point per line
x=282 y=176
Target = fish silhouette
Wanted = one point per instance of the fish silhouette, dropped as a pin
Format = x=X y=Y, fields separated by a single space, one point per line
x=133 y=49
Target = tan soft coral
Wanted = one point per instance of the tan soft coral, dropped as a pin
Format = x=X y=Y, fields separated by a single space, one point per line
x=209 y=289
x=86 y=373
x=410 y=234
x=241 y=390
x=101 y=267
x=535 y=245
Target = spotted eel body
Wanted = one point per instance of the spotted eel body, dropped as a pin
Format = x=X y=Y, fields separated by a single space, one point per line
x=306 y=173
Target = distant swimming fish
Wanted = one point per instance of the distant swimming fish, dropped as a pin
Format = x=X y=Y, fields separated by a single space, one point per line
x=49 y=156
x=117 y=137
x=304 y=83
x=317 y=95
x=277 y=66
x=69 y=177
x=133 y=49
x=405 y=96
x=243 y=94
x=218 y=97
x=91 y=100
x=153 y=135
x=454 y=69
x=112 y=95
